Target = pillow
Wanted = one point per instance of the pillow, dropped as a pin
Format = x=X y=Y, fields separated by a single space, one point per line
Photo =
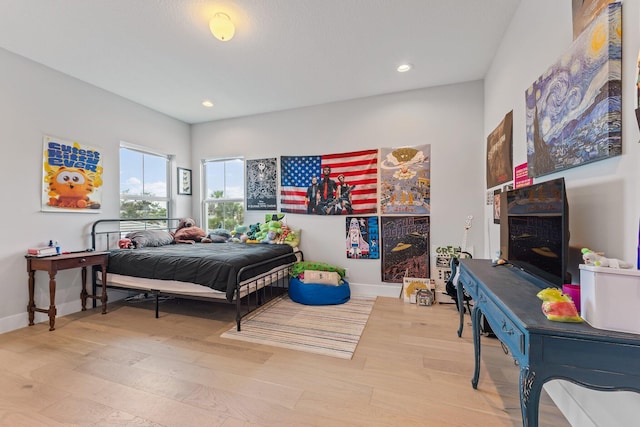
x=150 y=238
x=322 y=277
x=218 y=238
x=300 y=267
x=220 y=232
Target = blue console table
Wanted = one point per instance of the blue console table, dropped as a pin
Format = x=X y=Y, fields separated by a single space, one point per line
x=544 y=350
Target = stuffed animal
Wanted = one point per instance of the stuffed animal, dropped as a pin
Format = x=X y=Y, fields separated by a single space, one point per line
x=126 y=244
x=188 y=232
x=271 y=237
x=239 y=233
x=597 y=259
x=558 y=306
x=252 y=232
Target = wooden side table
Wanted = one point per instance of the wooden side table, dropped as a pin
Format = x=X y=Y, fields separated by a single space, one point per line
x=64 y=262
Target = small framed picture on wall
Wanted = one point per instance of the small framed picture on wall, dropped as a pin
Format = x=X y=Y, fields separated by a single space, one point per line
x=496 y=206
x=184 y=181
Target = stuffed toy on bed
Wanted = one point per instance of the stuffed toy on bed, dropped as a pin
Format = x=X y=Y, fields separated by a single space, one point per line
x=188 y=232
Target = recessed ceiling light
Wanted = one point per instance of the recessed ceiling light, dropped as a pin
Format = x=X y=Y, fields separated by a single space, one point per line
x=404 y=68
x=207 y=103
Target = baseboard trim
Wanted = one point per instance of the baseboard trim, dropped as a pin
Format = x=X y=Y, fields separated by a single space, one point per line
x=384 y=290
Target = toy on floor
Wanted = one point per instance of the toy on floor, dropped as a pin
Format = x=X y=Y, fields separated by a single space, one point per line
x=597 y=259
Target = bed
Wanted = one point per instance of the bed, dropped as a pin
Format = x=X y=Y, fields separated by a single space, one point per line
x=247 y=275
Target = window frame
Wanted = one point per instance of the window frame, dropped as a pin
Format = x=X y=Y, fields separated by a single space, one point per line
x=168 y=199
x=205 y=199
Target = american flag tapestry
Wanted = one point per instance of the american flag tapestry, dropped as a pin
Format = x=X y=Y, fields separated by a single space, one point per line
x=332 y=184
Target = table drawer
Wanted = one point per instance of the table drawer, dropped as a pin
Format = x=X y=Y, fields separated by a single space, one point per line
x=506 y=331
x=79 y=262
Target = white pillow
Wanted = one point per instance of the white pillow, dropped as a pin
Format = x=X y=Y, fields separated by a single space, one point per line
x=321 y=277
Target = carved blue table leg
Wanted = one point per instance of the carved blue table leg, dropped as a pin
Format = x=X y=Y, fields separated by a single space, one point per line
x=530 y=390
x=475 y=327
x=460 y=293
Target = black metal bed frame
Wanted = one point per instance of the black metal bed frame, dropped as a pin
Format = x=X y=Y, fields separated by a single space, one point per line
x=249 y=295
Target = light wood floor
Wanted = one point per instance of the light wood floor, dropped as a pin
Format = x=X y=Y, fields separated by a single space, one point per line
x=128 y=368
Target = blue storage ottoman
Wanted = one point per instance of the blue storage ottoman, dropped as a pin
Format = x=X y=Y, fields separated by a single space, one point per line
x=315 y=294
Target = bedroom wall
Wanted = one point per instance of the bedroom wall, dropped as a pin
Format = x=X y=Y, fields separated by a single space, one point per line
x=603 y=196
x=448 y=117
x=35 y=101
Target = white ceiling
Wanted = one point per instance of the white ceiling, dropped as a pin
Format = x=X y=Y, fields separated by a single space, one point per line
x=285 y=53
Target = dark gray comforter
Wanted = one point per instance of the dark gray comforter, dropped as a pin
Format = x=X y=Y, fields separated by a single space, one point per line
x=215 y=265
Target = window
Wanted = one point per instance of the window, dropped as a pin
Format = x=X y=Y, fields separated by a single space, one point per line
x=224 y=193
x=144 y=183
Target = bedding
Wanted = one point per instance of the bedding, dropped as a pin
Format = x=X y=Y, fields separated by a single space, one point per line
x=215 y=266
x=150 y=238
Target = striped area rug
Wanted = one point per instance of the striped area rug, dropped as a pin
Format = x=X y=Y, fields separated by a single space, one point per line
x=331 y=330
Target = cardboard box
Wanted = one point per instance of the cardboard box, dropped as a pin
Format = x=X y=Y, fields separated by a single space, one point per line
x=610 y=298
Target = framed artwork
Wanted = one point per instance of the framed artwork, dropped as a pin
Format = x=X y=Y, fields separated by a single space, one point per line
x=574 y=110
x=71 y=177
x=405 y=247
x=500 y=152
x=184 y=181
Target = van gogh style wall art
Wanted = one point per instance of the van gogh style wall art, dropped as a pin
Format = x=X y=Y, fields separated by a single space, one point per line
x=574 y=113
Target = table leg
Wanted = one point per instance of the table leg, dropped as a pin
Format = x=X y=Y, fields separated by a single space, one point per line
x=475 y=327
x=530 y=390
x=52 y=299
x=460 y=293
x=31 y=305
x=83 y=293
x=103 y=297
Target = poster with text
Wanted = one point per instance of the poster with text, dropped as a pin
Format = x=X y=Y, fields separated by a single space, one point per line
x=71 y=177
x=363 y=240
x=405 y=247
x=521 y=176
x=262 y=182
x=405 y=175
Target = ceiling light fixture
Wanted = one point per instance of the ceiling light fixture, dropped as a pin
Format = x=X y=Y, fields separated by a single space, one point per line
x=221 y=27
x=404 y=68
x=207 y=103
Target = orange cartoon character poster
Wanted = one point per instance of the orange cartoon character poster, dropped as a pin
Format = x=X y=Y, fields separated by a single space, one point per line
x=72 y=177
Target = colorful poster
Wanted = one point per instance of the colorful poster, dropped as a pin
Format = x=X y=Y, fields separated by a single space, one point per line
x=405 y=175
x=333 y=184
x=262 y=182
x=500 y=152
x=363 y=240
x=521 y=176
x=574 y=110
x=71 y=177
x=405 y=247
